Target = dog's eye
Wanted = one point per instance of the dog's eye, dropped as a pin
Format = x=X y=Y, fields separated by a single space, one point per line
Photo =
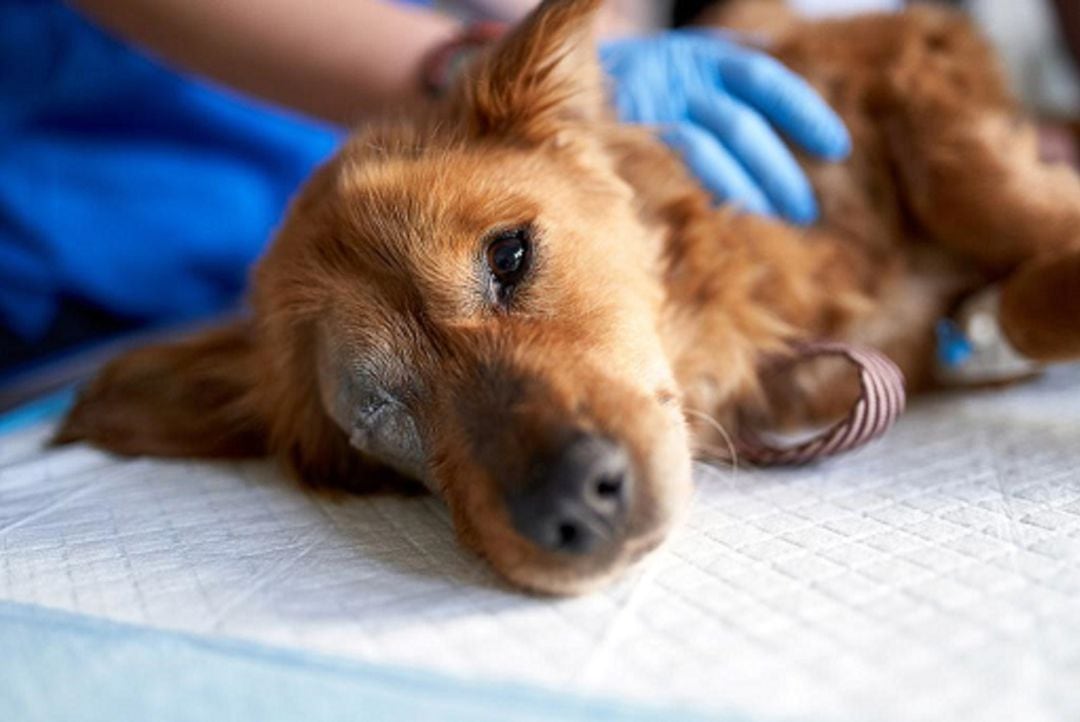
x=508 y=257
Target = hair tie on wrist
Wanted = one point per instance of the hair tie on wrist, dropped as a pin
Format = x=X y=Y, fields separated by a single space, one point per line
x=446 y=61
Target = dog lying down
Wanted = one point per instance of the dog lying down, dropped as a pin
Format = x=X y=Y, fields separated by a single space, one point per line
x=539 y=314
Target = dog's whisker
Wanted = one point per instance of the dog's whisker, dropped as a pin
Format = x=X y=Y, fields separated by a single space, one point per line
x=724 y=434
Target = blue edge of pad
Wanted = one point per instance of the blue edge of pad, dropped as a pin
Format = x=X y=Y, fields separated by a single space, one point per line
x=58 y=666
x=43 y=409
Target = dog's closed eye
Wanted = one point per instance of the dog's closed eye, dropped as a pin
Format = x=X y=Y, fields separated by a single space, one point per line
x=509 y=258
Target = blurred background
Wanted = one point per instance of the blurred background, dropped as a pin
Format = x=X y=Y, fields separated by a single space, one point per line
x=1039 y=40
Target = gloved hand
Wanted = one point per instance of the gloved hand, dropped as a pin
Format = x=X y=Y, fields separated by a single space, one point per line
x=717 y=103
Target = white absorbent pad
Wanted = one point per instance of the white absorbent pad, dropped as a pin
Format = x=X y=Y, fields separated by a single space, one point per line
x=932 y=576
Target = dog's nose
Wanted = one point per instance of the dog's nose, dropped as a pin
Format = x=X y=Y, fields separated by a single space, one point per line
x=577 y=500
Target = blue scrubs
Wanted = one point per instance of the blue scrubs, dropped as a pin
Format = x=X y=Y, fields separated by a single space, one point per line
x=127 y=187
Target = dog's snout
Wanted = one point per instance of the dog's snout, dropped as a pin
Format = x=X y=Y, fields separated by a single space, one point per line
x=576 y=500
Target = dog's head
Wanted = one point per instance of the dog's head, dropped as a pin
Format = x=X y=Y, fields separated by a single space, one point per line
x=469 y=298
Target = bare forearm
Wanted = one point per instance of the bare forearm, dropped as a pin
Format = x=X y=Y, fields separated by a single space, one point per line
x=335 y=59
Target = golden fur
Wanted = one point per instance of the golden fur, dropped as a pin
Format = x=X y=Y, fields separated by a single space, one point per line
x=646 y=306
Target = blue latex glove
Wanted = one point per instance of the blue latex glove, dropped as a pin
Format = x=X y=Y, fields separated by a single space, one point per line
x=717 y=103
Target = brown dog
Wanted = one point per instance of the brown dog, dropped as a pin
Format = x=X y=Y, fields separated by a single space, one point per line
x=527 y=306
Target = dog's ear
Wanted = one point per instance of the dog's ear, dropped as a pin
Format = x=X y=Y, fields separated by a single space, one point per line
x=543 y=76
x=191 y=398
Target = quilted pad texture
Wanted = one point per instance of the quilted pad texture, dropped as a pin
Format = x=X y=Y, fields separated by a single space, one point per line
x=932 y=576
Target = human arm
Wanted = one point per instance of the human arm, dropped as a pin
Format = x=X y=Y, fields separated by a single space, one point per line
x=338 y=60
x=334 y=59
x=342 y=60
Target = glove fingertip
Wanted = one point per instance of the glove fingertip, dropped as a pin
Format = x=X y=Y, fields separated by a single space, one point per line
x=838 y=146
x=829 y=140
x=756 y=204
x=796 y=200
x=804 y=213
